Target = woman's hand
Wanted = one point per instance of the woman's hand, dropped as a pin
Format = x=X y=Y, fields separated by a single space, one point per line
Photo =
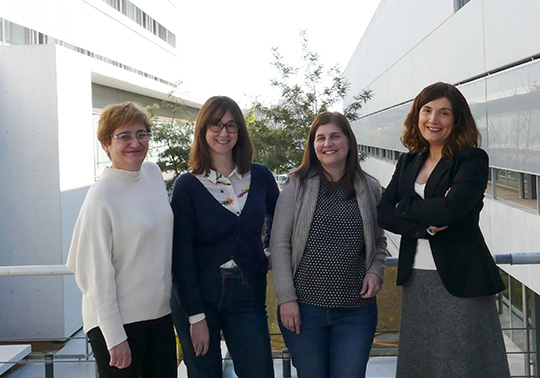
x=200 y=337
x=438 y=229
x=371 y=286
x=290 y=316
x=120 y=355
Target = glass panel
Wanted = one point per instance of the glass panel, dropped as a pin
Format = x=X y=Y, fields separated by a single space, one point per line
x=101 y=160
x=131 y=12
x=16 y=34
x=458 y=4
x=504 y=302
x=162 y=32
x=171 y=38
x=513 y=111
x=517 y=312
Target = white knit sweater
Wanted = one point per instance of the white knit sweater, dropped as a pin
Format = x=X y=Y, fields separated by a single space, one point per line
x=121 y=251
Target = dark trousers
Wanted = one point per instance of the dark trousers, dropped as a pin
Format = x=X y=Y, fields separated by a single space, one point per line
x=231 y=306
x=153 y=350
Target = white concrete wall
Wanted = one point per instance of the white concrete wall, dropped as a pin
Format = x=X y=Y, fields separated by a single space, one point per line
x=99 y=28
x=46 y=163
x=412 y=43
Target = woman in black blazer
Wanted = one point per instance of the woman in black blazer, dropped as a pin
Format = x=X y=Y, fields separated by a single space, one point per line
x=449 y=321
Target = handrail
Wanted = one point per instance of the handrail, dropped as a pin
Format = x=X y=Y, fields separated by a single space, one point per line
x=34 y=270
x=519 y=258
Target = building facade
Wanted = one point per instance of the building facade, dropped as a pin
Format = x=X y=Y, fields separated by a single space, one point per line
x=490 y=50
x=61 y=62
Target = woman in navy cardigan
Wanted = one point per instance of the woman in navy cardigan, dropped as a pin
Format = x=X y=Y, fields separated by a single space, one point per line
x=449 y=321
x=219 y=264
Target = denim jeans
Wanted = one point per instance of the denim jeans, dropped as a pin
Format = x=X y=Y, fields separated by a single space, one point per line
x=333 y=342
x=232 y=307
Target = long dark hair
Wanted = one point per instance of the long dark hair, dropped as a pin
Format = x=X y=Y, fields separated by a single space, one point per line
x=464 y=132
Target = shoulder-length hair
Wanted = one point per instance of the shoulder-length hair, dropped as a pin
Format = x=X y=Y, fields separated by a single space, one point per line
x=311 y=164
x=464 y=132
x=211 y=112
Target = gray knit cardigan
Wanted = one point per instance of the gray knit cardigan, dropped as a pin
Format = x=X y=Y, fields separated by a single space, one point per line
x=292 y=221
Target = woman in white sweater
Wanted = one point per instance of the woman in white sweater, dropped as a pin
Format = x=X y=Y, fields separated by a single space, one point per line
x=121 y=254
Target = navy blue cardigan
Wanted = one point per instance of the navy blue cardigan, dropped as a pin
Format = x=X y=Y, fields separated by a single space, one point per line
x=206 y=235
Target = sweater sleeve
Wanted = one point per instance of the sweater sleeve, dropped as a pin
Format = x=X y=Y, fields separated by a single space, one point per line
x=378 y=263
x=90 y=258
x=184 y=270
x=271 y=199
x=281 y=245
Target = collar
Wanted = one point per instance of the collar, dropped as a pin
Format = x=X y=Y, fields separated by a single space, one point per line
x=214 y=176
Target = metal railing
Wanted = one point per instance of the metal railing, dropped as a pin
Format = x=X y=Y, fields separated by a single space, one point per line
x=519 y=258
x=522 y=258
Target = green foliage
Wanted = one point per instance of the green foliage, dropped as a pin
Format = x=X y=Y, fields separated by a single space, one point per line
x=305 y=92
x=269 y=144
x=172 y=138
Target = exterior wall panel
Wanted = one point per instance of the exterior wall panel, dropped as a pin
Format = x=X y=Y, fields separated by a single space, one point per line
x=490 y=49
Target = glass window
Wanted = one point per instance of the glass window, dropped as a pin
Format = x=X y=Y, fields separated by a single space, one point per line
x=101 y=160
x=16 y=34
x=171 y=38
x=131 y=12
x=1 y=31
x=458 y=4
x=162 y=32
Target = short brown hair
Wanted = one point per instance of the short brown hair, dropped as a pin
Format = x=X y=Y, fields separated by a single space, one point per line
x=213 y=109
x=117 y=115
x=310 y=162
x=464 y=133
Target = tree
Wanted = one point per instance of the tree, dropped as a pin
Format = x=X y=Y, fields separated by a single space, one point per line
x=173 y=138
x=269 y=144
x=305 y=92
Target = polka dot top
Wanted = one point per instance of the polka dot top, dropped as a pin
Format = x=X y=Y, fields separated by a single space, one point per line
x=332 y=268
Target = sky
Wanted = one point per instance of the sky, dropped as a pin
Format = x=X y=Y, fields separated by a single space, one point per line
x=228 y=51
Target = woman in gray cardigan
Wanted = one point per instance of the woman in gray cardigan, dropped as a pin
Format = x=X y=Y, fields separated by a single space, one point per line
x=328 y=255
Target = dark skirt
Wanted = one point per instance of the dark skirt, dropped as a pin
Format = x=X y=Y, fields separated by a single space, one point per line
x=442 y=336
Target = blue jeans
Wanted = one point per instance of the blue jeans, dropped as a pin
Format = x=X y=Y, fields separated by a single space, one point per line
x=333 y=342
x=231 y=306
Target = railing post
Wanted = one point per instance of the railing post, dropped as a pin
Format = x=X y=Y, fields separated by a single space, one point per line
x=525 y=302
x=286 y=358
x=49 y=365
x=537 y=197
x=494 y=183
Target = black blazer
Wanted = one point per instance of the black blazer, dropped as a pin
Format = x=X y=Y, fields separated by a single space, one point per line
x=463 y=260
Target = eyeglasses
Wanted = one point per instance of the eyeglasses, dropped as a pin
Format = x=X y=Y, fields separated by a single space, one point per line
x=231 y=127
x=142 y=136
